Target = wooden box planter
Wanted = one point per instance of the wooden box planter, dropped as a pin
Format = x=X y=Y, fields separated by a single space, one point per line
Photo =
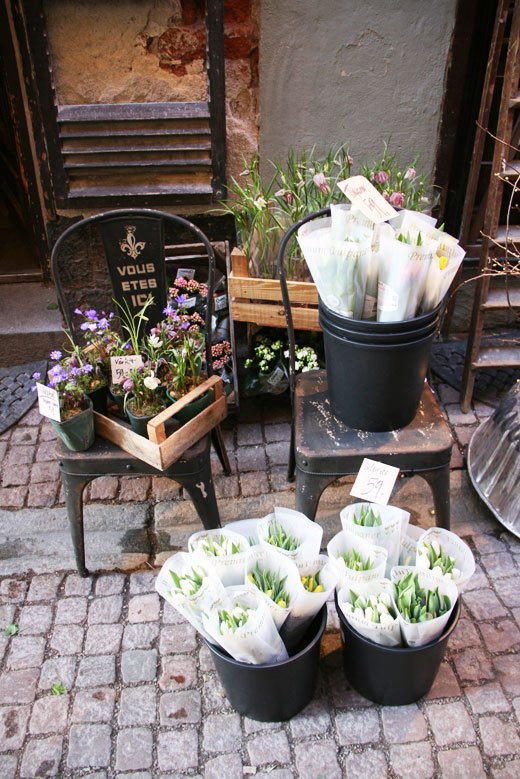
x=161 y=450
x=259 y=301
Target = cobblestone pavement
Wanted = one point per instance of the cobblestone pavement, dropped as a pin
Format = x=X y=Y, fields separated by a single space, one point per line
x=140 y=697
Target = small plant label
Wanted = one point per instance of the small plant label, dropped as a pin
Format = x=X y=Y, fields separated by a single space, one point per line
x=49 y=402
x=363 y=195
x=185 y=273
x=220 y=302
x=374 y=482
x=122 y=365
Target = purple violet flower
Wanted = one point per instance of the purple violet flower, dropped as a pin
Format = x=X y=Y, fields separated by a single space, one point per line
x=56 y=355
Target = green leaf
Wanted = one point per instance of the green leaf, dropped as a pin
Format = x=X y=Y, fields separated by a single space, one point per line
x=58 y=688
x=10 y=630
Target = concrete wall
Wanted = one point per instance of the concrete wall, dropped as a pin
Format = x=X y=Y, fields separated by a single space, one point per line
x=357 y=73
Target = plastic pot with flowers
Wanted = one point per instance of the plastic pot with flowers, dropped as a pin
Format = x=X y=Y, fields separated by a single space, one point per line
x=396 y=619
x=257 y=595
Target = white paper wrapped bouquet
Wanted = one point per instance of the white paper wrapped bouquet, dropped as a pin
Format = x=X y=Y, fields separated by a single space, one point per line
x=412 y=604
x=252 y=587
x=370 y=261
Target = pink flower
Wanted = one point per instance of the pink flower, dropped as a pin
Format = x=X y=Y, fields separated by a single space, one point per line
x=350 y=159
x=381 y=177
x=396 y=199
x=410 y=174
x=321 y=182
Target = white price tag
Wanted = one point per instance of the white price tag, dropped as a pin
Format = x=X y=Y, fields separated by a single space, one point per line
x=121 y=366
x=374 y=482
x=189 y=303
x=365 y=196
x=220 y=302
x=49 y=402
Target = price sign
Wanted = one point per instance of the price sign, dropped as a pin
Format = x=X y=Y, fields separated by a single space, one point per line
x=364 y=195
x=374 y=482
x=185 y=273
x=49 y=402
x=121 y=366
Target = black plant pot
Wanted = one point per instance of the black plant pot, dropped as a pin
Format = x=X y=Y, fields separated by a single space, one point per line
x=273 y=692
x=392 y=676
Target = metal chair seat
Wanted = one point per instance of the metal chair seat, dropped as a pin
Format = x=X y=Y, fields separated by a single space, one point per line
x=325 y=449
x=77 y=469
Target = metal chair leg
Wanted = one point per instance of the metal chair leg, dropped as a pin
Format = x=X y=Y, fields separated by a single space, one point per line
x=309 y=487
x=291 y=463
x=201 y=490
x=218 y=443
x=439 y=482
x=73 y=486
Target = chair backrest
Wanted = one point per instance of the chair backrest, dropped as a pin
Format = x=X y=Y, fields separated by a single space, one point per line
x=280 y=272
x=133 y=243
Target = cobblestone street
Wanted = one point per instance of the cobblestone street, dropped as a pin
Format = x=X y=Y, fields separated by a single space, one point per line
x=139 y=694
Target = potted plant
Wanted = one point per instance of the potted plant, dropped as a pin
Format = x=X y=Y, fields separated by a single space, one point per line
x=186 y=364
x=71 y=382
x=143 y=397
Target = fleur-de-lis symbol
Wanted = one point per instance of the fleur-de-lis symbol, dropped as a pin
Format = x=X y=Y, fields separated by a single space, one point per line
x=130 y=246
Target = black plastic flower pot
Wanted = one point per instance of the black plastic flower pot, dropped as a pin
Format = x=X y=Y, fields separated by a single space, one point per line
x=392 y=676
x=375 y=385
x=273 y=692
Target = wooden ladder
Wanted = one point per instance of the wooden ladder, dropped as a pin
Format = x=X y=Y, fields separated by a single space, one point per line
x=498 y=240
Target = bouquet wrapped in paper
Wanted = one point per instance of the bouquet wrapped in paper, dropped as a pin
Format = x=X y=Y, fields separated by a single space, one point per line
x=243 y=625
x=190 y=588
x=318 y=578
x=369 y=610
x=276 y=578
x=445 y=555
x=291 y=533
x=408 y=549
x=356 y=560
x=222 y=551
x=380 y=525
x=337 y=250
x=423 y=602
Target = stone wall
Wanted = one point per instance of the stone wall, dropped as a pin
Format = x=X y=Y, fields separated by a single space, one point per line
x=154 y=51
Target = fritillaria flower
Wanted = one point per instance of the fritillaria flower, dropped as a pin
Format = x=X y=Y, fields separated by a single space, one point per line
x=380 y=177
x=321 y=182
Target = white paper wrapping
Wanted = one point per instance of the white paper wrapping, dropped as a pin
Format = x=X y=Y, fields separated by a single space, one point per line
x=409 y=544
x=229 y=568
x=387 y=535
x=453 y=545
x=308 y=604
x=421 y=633
x=210 y=594
x=338 y=268
x=268 y=559
x=298 y=526
x=384 y=635
x=246 y=528
x=258 y=641
x=344 y=542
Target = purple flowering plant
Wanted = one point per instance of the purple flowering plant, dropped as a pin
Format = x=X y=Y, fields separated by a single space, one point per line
x=402 y=186
x=71 y=379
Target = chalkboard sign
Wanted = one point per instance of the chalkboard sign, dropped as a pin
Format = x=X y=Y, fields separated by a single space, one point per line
x=134 y=248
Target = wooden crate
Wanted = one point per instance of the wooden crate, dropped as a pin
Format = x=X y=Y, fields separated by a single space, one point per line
x=259 y=301
x=161 y=450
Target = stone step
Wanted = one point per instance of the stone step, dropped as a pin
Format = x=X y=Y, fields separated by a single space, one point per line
x=30 y=324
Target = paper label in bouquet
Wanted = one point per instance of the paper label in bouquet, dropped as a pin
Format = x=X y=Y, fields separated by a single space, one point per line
x=276 y=377
x=364 y=196
x=185 y=273
x=387 y=298
x=121 y=366
x=374 y=482
x=49 y=402
x=369 y=306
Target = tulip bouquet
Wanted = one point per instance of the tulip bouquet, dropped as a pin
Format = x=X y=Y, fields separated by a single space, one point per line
x=248 y=594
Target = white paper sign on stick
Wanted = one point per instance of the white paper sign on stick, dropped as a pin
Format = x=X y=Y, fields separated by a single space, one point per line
x=374 y=482
x=49 y=402
x=364 y=196
x=122 y=365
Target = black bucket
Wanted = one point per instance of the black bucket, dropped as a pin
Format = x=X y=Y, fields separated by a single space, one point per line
x=273 y=692
x=392 y=676
x=376 y=371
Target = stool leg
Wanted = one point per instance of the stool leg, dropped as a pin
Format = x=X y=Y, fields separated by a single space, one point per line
x=218 y=442
x=201 y=490
x=291 y=463
x=309 y=487
x=73 y=486
x=439 y=481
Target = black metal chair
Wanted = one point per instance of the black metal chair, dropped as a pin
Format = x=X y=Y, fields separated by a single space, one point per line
x=135 y=238
x=323 y=449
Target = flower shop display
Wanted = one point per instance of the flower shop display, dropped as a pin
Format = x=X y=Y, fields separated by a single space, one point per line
x=267 y=371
